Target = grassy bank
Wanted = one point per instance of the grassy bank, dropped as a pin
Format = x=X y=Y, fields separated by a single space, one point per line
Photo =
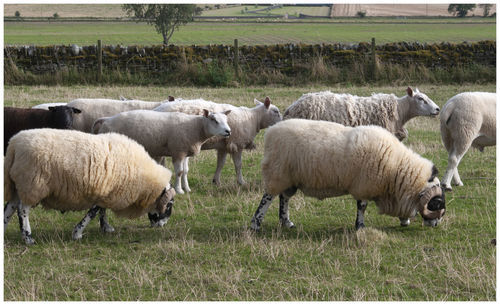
x=206 y=251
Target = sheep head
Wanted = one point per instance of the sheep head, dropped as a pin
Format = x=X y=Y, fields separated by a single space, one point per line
x=270 y=113
x=432 y=203
x=163 y=208
x=421 y=104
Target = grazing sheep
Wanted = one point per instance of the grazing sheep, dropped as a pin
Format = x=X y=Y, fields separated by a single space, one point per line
x=467 y=119
x=69 y=170
x=94 y=109
x=17 y=119
x=245 y=123
x=174 y=134
x=366 y=161
x=386 y=110
x=47 y=105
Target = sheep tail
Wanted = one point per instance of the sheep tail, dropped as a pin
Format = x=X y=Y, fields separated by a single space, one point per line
x=8 y=184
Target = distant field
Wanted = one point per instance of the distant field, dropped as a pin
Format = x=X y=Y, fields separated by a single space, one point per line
x=115 y=10
x=199 y=33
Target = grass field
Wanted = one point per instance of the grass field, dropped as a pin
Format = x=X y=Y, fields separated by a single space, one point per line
x=207 y=252
x=199 y=33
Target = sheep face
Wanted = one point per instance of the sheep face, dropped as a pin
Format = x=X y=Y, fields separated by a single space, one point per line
x=421 y=103
x=63 y=116
x=163 y=208
x=433 y=201
x=217 y=123
x=271 y=115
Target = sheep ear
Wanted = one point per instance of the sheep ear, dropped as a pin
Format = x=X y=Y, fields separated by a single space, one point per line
x=51 y=108
x=171 y=98
x=267 y=102
x=409 y=91
x=227 y=112
x=206 y=113
x=76 y=110
x=434 y=173
x=257 y=102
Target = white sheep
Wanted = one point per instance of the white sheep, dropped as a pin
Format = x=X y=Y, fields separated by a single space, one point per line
x=70 y=170
x=174 y=134
x=386 y=110
x=467 y=119
x=325 y=159
x=245 y=123
x=93 y=109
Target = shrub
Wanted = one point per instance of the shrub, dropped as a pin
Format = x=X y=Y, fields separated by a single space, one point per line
x=17 y=14
x=361 y=14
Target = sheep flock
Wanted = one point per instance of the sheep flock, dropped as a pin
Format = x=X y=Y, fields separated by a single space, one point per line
x=98 y=154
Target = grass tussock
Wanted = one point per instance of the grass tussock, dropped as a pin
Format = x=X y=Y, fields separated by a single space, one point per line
x=222 y=74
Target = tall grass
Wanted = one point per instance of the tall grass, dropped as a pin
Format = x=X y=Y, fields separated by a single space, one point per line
x=222 y=74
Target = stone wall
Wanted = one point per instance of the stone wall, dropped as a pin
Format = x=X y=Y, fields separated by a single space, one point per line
x=162 y=59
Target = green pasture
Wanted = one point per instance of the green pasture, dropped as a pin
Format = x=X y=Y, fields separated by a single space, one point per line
x=207 y=252
x=203 y=33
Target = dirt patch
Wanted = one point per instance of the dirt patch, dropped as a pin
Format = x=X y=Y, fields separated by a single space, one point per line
x=340 y=10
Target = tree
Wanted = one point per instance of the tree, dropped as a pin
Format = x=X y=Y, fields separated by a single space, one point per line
x=460 y=10
x=166 y=18
x=486 y=9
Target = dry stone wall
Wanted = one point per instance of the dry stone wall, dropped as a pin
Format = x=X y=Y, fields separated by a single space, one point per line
x=162 y=59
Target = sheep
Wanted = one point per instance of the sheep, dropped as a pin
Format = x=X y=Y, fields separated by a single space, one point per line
x=467 y=119
x=367 y=162
x=174 y=134
x=94 y=109
x=17 y=119
x=47 y=105
x=386 y=110
x=245 y=123
x=70 y=170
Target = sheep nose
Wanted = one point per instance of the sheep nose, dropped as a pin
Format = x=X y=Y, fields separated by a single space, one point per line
x=228 y=133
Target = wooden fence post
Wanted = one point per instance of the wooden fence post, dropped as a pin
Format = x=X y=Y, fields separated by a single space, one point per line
x=374 y=60
x=99 y=60
x=236 y=59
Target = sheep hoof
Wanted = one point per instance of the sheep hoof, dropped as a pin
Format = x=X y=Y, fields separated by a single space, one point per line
x=187 y=189
x=360 y=226
x=404 y=222
x=29 y=240
x=254 y=227
x=241 y=182
x=216 y=182
x=107 y=229
x=448 y=188
x=179 y=191
x=77 y=235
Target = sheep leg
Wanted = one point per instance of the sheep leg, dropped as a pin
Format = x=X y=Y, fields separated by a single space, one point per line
x=178 y=173
x=236 y=156
x=185 y=170
x=103 y=221
x=454 y=159
x=24 y=223
x=284 y=215
x=221 y=159
x=261 y=211
x=360 y=217
x=8 y=211
x=78 y=230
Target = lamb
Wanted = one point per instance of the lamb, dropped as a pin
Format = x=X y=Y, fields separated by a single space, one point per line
x=69 y=170
x=386 y=110
x=174 y=134
x=467 y=119
x=17 y=119
x=245 y=123
x=367 y=162
x=94 y=109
